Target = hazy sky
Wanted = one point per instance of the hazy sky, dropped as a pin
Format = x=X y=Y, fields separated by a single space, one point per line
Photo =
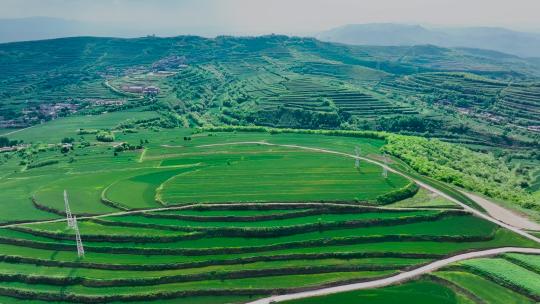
x=279 y=16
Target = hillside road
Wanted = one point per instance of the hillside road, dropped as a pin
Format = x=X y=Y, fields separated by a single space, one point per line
x=399 y=278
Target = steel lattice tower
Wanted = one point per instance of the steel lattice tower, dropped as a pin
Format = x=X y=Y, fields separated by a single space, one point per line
x=80 y=248
x=385 y=170
x=69 y=216
x=357 y=159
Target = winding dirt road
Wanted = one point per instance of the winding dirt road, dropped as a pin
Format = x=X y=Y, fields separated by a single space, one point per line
x=503 y=214
x=402 y=277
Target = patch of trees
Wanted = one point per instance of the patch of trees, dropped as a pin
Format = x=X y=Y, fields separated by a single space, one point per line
x=347 y=133
x=128 y=147
x=290 y=117
x=105 y=136
x=462 y=167
x=6 y=142
x=68 y=140
x=86 y=131
x=408 y=123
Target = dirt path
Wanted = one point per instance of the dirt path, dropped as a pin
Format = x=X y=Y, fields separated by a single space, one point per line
x=421 y=184
x=503 y=214
x=399 y=278
x=16 y=131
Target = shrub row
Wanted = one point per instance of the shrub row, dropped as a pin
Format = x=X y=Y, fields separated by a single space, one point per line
x=235 y=232
x=269 y=232
x=232 y=250
x=242 y=260
x=46 y=208
x=233 y=218
x=42 y=164
x=397 y=195
x=112 y=204
x=319 y=209
x=110 y=238
x=151 y=296
x=162 y=295
x=214 y=275
x=346 y=133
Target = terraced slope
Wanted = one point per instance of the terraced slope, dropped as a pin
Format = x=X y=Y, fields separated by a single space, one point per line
x=311 y=94
x=497 y=101
x=236 y=220
x=222 y=251
x=511 y=278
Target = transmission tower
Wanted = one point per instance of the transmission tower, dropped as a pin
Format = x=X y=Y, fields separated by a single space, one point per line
x=80 y=248
x=385 y=170
x=357 y=158
x=69 y=216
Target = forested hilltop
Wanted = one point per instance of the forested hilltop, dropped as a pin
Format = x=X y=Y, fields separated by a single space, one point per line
x=486 y=100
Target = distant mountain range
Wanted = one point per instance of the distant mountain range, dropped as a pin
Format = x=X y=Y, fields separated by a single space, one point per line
x=376 y=34
x=389 y=34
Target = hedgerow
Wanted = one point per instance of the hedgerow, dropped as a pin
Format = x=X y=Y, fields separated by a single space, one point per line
x=14 y=259
x=397 y=195
x=233 y=250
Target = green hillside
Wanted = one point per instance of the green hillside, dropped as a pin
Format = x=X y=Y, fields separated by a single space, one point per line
x=276 y=81
x=231 y=169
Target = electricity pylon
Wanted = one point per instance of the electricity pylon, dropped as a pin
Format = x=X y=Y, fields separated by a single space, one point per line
x=385 y=170
x=72 y=223
x=80 y=248
x=69 y=216
x=357 y=159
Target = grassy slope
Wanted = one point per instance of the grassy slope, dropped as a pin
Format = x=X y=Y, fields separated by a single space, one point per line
x=416 y=292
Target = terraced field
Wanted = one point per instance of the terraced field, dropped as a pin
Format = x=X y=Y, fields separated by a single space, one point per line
x=497 y=101
x=317 y=95
x=225 y=250
x=511 y=278
x=218 y=218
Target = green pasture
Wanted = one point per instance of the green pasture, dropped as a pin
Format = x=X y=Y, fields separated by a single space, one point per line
x=292 y=176
x=421 y=292
x=506 y=271
x=186 y=246
x=53 y=131
x=485 y=289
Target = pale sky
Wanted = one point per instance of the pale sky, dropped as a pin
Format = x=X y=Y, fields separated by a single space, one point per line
x=279 y=16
